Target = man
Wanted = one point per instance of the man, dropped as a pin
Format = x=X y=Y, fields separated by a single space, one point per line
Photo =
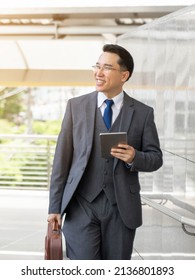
x=101 y=197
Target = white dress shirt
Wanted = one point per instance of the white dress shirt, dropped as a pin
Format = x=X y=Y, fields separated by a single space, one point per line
x=116 y=107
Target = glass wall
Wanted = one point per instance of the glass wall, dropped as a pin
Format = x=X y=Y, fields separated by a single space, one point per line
x=164 y=78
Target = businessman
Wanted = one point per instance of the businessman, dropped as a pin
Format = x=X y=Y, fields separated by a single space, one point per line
x=100 y=197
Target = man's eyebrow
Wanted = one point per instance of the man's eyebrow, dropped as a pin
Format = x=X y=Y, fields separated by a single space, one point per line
x=106 y=64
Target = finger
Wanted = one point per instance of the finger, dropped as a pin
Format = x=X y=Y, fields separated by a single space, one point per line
x=53 y=217
x=118 y=150
x=118 y=155
x=59 y=220
x=123 y=146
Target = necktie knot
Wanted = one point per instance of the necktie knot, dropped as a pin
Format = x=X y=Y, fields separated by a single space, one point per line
x=109 y=102
x=108 y=113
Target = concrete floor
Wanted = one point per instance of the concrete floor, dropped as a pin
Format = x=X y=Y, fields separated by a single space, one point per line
x=23 y=216
x=23 y=225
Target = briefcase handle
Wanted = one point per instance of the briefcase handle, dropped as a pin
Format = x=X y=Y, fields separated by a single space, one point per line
x=53 y=242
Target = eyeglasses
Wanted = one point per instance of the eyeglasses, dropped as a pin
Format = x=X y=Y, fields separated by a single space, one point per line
x=104 y=68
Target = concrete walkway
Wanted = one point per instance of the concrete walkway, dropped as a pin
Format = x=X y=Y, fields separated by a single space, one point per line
x=23 y=226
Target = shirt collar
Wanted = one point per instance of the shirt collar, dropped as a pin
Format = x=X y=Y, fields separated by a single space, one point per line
x=118 y=99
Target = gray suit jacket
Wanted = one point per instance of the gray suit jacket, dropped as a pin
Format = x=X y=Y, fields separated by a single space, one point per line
x=74 y=146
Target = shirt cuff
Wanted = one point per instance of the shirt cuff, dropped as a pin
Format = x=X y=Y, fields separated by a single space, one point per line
x=128 y=165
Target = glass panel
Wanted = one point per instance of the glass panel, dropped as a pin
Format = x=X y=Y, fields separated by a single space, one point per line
x=164 y=78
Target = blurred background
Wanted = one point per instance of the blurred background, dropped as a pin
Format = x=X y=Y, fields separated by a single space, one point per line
x=46 y=52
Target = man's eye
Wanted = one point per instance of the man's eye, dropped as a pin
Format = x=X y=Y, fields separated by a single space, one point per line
x=107 y=68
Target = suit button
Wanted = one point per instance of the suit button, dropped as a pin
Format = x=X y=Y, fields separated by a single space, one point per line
x=105 y=172
x=104 y=186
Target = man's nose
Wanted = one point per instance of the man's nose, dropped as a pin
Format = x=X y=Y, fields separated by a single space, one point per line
x=100 y=71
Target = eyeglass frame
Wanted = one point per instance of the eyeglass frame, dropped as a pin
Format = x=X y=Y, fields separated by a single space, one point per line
x=105 y=68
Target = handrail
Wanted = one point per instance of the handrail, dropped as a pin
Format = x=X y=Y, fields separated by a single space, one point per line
x=28 y=136
x=161 y=208
x=26 y=162
x=164 y=197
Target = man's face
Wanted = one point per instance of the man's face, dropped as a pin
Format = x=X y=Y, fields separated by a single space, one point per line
x=109 y=78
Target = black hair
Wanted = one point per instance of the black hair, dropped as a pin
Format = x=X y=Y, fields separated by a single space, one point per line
x=126 y=60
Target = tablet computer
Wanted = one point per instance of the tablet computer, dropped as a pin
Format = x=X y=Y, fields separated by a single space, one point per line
x=110 y=140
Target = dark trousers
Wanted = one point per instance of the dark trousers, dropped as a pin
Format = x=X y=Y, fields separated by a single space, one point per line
x=95 y=231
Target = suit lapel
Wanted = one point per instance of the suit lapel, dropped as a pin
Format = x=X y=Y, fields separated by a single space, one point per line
x=126 y=116
x=90 y=112
x=127 y=113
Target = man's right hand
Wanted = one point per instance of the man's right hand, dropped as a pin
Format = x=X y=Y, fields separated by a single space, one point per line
x=54 y=217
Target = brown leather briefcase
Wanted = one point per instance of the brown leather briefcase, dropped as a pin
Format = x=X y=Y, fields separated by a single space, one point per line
x=53 y=242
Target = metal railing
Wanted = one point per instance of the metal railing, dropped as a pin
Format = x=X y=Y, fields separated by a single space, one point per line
x=26 y=160
x=183 y=220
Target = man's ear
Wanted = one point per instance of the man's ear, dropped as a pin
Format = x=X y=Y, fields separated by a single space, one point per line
x=125 y=75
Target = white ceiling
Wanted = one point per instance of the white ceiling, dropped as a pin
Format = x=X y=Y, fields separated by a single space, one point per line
x=43 y=42
x=57 y=19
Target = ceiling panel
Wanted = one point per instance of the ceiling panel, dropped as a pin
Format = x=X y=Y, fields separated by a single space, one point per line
x=47 y=42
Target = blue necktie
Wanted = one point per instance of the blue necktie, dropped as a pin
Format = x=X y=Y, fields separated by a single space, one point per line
x=108 y=113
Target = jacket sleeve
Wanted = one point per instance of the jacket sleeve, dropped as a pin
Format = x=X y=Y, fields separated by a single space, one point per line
x=62 y=162
x=149 y=157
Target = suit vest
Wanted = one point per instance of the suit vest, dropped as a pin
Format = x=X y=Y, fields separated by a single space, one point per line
x=98 y=175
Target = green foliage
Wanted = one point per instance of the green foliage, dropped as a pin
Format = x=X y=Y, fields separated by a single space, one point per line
x=24 y=166
x=39 y=127
x=47 y=127
x=11 y=106
x=8 y=127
